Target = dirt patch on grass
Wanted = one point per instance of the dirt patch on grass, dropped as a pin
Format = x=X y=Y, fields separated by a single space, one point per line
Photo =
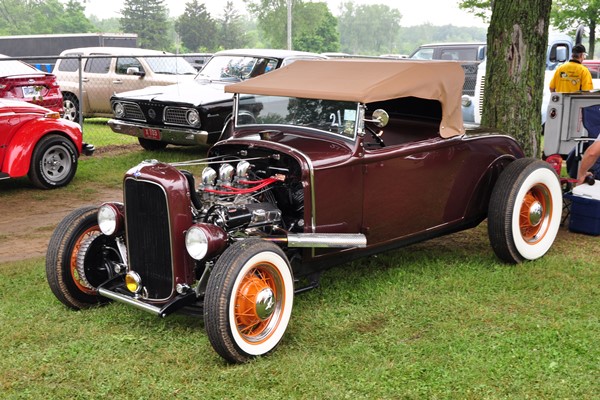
x=28 y=218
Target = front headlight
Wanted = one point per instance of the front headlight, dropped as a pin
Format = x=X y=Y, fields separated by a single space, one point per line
x=110 y=218
x=205 y=241
x=196 y=243
x=466 y=101
x=193 y=118
x=119 y=110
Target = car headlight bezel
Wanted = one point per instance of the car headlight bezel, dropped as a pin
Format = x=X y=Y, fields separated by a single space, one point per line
x=193 y=117
x=196 y=242
x=118 y=110
x=110 y=219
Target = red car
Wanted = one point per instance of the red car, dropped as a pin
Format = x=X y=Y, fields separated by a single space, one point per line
x=36 y=142
x=21 y=81
x=328 y=161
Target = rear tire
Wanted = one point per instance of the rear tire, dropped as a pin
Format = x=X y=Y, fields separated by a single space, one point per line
x=53 y=162
x=76 y=259
x=152 y=145
x=525 y=211
x=248 y=301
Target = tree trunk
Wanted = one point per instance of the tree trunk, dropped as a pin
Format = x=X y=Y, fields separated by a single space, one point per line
x=517 y=41
x=592 y=46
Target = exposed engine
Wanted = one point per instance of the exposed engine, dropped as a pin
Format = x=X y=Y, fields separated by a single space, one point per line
x=258 y=193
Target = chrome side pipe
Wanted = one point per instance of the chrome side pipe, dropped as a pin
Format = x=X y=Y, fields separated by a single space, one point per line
x=322 y=240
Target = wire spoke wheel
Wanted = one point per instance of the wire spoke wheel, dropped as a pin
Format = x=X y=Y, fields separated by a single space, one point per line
x=525 y=210
x=248 y=301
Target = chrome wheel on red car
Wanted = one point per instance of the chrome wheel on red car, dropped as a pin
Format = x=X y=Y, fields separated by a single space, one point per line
x=53 y=163
x=248 y=300
x=525 y=211
x=80 y=258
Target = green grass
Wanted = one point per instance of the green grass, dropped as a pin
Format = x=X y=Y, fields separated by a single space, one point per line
x=431 y=321
x=442 y=319
x=96 y=132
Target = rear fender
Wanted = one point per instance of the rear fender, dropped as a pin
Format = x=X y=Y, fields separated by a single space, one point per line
x=20 y=149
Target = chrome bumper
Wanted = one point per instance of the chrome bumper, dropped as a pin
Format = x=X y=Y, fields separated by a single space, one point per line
x=173 y=135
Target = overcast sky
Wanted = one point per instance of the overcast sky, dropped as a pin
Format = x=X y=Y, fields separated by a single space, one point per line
x=414 y=12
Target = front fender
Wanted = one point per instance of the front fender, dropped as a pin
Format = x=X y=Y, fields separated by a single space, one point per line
x=20 y=149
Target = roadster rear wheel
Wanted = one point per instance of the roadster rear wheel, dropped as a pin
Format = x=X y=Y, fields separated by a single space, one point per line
x=79 y=258
x=525 y=211
x=248 y=301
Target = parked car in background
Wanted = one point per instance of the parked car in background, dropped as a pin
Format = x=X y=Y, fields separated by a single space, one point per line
x=328 y=161
x=450 y=51
x=36 y=142
x=469 y=54
x=196 y=112
x=21 y=81
x=197 y=60
x=109 y=70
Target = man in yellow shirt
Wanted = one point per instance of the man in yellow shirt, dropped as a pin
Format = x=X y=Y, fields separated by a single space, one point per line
x=572 y=76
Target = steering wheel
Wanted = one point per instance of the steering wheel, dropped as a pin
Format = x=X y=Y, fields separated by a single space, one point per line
x=376 y=135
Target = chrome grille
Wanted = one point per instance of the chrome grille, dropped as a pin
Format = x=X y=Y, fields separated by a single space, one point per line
x=176 y=116
x=133 y=111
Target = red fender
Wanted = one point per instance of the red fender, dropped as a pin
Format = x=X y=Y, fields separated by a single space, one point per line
x=20 y=149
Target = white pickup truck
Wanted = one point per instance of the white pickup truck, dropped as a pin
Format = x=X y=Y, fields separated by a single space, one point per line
x=571 y=118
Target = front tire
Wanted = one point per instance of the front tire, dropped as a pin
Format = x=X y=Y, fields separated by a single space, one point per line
x=248 y=301
x=524 y=211
x=79 y=258
x=53 y=163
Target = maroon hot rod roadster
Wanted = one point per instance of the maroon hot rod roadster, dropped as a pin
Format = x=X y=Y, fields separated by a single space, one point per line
x=327 y=161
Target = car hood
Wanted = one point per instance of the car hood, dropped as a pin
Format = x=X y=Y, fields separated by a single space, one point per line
x=321 y=151
x=195 y=93
x=20 y=106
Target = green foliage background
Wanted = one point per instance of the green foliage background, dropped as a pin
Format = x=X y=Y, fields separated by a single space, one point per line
x=353 y=28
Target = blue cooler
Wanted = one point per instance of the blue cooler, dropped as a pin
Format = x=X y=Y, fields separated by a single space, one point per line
x=585 y=209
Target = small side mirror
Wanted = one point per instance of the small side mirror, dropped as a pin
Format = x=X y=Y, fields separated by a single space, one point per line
x=561 y=54
x=380 y=118
x=134 y=71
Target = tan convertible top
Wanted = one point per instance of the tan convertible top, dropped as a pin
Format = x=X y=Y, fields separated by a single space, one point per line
x=367 y=81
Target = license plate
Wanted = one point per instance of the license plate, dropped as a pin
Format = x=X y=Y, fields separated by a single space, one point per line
x=30 y=91
x=153 y=134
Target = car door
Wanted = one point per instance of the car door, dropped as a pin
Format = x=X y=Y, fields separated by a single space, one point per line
x=412 y=188
x=123 y=82
x=97 y=84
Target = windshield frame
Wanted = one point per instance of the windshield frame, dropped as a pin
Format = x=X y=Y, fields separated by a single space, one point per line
x=345 y=123
x=243 y=67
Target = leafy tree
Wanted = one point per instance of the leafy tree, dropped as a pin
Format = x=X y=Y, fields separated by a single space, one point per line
x=315 y=29
x=74 y=20
x=231 y=32
x=313 y=26
x=567 y=15
x=368 y=29
x=272 y=19
x=147 y=18
x=517 y=42
x=196 y=28
x=23 y=17
x=480 y=8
